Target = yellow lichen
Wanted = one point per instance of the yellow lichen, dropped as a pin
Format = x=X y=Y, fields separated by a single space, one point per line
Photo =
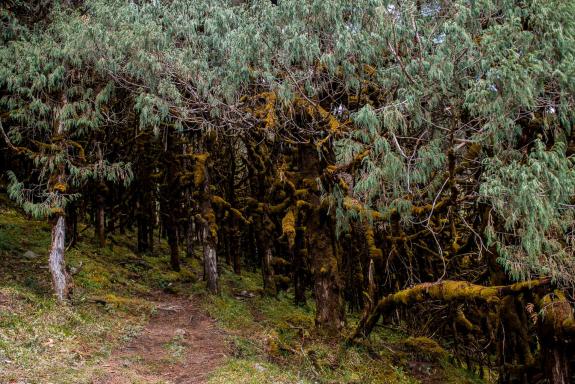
x=369 y=70
x=425 y=348
x=199 y=168
x=374 y=251
x=266 y=112
x=220 y=201
x=288 y=227
x=60 y=187
x=315 y=110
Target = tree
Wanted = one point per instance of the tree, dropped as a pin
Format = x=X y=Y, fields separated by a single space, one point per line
x=52 y=113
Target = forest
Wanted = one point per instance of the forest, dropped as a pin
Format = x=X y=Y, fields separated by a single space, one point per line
x=377 y=184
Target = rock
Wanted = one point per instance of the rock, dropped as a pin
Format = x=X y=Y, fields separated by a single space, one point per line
x=30 y=255
x=259 y=367
x=169 y=308
x=244 y=294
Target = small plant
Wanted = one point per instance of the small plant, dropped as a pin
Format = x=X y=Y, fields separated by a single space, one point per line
x=176 y=346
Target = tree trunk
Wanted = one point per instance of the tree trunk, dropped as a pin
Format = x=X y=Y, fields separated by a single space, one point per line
x=101 y=222
x=556 y=364
x=227 y=244
x=172 y=230
x=210 y=261
x=190 y=239
x=371 y=289
x=60 y=278
x=299 y=254
x=209 y=226
x=143 y=235
x=72 y=224
x=268 y=272
x=330 y=315
x=554 y=333
x=150 y=224
x=142 y=226
x=235 y=239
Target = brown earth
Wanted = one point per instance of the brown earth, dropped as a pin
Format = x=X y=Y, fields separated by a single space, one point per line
x=179 y=345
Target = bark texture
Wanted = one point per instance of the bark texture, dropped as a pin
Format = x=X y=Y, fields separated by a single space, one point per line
x=60 y=278
x=210 y=262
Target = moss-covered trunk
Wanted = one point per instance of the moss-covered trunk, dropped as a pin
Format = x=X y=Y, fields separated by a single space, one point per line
x=207 y=219
x=330 y=315
x=556 y=331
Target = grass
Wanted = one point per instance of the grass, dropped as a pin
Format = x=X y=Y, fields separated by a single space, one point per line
x=271 y=340
x=254 y=371
x=274 y=341
x=176 y=347
x=43 y=342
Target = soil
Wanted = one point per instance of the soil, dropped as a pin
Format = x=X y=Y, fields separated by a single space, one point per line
x=179 y=345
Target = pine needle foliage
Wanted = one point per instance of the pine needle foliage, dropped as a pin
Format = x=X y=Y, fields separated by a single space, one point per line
x=423 y=83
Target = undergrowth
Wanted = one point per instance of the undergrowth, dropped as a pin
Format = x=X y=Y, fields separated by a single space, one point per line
x=44 y=342
x=274 y=341
x=270 y=339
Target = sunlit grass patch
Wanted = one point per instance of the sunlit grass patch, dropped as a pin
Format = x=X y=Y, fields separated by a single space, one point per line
x=42 y=341
x=240 y=371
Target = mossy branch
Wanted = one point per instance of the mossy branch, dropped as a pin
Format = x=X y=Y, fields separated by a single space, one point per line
x=445 y=291
x=221 y=202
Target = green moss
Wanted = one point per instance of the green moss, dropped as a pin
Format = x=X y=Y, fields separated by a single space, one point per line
x=425 y=348
x=41 y=341
x=280 y=337
x=230 y=312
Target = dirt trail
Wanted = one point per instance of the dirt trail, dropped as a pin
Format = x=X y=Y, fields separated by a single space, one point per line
x=179 y=345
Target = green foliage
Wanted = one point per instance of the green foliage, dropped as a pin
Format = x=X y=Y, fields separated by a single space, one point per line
x=52 y=114
x=466 y=76
x=532 y=200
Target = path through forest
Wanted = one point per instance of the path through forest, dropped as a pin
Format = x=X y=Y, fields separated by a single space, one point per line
x=179 y=345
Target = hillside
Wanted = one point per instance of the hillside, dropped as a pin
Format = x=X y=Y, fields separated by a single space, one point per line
x=109 y=333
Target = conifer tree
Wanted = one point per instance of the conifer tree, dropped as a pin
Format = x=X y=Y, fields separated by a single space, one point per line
x=51 y=112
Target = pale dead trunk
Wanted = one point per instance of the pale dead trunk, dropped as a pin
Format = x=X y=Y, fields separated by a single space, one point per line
x=56 y=264
x=210 y=262
x=268 y=273
x=56 y=261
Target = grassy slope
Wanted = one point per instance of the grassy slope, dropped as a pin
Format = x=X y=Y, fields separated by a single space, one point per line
x=271 y=340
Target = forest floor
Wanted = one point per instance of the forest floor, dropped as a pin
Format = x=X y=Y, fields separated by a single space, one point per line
x=180 y=344
x=133 y=320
